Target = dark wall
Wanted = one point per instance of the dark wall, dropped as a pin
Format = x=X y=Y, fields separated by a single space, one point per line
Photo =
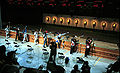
x=106 y=8
x=24 y=16
x=20 y=15
x=0 y=17
x=32 y=14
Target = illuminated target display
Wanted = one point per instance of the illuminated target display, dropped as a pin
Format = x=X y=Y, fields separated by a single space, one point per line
x=61 y=20
x=114 y=25
x=85 y=22
x=94 y=23
x=47 y=19
x=104 y=24
x=54 y=20
x=76 y=22
x=69 y=20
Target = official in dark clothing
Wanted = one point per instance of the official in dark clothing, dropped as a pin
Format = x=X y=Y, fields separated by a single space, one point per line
x=75 y=70
x=85 y=67
x=11 y=58
x=2 y=56
x=2 y=52
x=114 y=67
x=53 y=51
x=67 y=61
x=9 y=69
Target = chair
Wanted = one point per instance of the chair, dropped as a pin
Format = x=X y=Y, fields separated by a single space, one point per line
x=45 y=54
x=16 y=47
x=8 y=46
x=60 y=58
x=30 y=53
x=79 y=60
x=14 y=43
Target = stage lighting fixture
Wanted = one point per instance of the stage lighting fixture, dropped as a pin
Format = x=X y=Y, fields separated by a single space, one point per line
x=61 y=20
